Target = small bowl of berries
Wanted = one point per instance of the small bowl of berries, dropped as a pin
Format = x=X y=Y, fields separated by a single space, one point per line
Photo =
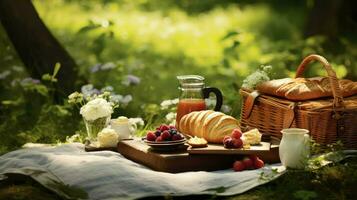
x=165 y=138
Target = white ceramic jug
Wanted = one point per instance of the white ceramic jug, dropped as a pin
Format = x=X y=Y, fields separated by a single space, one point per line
x=294 y=148
x=123 y=127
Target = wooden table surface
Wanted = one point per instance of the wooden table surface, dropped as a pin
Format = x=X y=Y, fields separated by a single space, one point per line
x=182 y=161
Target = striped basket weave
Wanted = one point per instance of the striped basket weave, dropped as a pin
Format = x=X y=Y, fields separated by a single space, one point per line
x=327 y=119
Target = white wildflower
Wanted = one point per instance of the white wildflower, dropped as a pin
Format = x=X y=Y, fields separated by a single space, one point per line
x=137 y=120
x=170 y=117
x=96 y=108
x=259 y=76
x=167 y=103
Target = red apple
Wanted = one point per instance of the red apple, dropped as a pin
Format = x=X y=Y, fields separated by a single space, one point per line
x=237 y=143
x=238 y=166
x=248 y=163
x=258 y=164
x=236 y=133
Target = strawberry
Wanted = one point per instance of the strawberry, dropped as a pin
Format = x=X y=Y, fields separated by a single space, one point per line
x=164 y=127
x=237 y=143
x=258 y=164
x=150 y=136
x=236 y=133
x=248 y=163
x=238 y=166
x=166 y=135
x=159 y=139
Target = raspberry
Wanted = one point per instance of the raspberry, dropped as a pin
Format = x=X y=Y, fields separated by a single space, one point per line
x=164 y=127
x=150 y=136
x=172 y=127
x=236 y=133
x=238 y=166
x=258 y=164
x=228 y=143
x=159 y=139
x=248 y=163
x=237 y=143
x=166 y=135
x=157 y=133
x=176 y=137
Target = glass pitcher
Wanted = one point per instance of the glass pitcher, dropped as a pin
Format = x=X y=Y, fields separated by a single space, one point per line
x=193 y=94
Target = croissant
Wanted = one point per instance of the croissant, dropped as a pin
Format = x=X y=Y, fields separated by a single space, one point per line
x=208 y=124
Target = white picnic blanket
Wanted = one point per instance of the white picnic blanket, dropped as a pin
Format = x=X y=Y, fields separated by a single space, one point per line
x=71 y=172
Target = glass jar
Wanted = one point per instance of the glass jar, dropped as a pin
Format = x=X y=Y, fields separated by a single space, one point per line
x=93 y=127
x=192 y=95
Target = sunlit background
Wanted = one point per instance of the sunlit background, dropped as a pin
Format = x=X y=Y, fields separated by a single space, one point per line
x=137 y=48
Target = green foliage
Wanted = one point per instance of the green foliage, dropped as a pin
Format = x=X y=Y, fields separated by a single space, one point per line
x=32 y=115
x=137 y=48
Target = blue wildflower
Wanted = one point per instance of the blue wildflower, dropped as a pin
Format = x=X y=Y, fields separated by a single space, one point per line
x=29 y=80
x=95 y=68
x=87 y=90
x=131 y=80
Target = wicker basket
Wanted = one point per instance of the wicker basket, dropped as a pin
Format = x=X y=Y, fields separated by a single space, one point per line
x=328 y=119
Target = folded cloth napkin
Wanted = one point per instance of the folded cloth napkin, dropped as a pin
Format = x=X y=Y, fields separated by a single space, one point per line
x=70 y=171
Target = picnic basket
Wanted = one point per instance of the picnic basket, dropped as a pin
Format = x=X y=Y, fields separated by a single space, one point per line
x=329 y=119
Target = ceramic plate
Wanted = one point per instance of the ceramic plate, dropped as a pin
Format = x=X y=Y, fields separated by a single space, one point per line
x=166 y=145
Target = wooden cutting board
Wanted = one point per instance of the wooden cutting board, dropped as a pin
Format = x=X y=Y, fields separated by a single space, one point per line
x=181 y=161
x=219 y=149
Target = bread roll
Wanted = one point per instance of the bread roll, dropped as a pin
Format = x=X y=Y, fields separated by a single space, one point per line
x=208 y=124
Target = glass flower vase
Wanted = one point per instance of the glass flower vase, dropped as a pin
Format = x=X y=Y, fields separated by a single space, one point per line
x=95 y=126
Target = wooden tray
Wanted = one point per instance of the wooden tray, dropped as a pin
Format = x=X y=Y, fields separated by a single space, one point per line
x=219 y=149
x=182 y=161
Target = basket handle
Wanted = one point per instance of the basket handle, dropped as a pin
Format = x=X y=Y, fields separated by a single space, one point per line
x=335 y=86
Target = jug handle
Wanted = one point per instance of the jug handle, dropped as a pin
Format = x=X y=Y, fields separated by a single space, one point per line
x=218 y=93
x=133 y=127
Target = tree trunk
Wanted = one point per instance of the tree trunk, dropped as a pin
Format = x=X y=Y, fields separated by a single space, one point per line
x=36 y=46
x=323 y=18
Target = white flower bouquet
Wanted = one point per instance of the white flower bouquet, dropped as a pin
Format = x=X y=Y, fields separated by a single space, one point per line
x=96 y=111
x=96 y=114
